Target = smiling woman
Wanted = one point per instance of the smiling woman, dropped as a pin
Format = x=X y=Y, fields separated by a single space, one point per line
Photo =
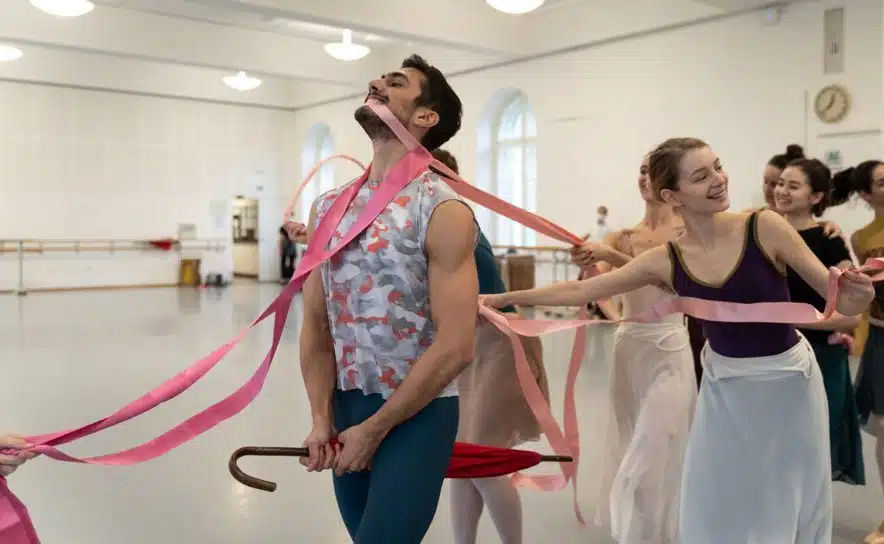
x=742 y=481
x=803 y=193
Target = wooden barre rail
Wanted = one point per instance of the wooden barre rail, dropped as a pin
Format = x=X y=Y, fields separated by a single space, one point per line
x=29 y=247
x=105 y=246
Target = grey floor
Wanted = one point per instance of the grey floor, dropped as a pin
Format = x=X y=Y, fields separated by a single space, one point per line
x=68 y=359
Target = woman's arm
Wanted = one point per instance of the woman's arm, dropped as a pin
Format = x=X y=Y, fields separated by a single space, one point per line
x=783 y=243
x=651 y=267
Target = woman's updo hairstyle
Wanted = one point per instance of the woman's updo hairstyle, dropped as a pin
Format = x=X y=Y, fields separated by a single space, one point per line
x=666 y=158
x=793 y=152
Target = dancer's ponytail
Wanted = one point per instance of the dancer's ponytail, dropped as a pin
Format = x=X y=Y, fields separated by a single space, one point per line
x=842 y=186
x=854 y=180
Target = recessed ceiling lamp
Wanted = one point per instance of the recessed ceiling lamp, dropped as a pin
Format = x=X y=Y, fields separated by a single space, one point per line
x=346 y=50
x=242 y=82
x=9 y=53
x=515 y=7
x=64 y=8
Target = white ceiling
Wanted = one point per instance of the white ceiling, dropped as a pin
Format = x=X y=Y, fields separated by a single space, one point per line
x=184 y=47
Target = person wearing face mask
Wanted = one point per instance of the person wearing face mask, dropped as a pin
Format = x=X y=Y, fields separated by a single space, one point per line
x=652 y=393
x=493 y=410
x=802 y=194
x=770 y=178
x=743 y=479
x=867 y=181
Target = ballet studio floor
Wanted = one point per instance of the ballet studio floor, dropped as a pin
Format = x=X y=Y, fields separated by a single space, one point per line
x=71 y=358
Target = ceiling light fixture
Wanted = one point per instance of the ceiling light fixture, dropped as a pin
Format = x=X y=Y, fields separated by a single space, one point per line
x=9 y=53
x=346 y=50
x=515 y=7
x=64 y=8
x=242 y=82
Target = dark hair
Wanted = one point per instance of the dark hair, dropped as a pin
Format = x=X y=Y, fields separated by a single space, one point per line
x=665 y=160
x=819 y=178
x=793 y=152
x=854 y=180
x=446 y=158
x=437 y=95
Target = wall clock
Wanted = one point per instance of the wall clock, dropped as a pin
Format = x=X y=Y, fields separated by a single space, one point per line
x=832 y=104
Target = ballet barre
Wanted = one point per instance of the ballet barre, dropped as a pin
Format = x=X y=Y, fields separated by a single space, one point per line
x=32 y=247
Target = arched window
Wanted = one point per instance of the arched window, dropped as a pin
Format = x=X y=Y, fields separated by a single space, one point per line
x=507 y=165
x=319 y=145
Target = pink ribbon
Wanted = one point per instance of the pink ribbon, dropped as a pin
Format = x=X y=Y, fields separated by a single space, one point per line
x=16 y=526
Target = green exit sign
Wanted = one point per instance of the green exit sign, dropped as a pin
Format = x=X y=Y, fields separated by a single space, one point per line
x=833 y=157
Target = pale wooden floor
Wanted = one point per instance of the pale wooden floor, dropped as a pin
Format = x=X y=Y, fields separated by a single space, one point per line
x=70 y=358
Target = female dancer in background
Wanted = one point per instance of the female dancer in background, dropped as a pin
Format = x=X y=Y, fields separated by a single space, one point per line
x=774 y=169
x=757 y=465
x=652 y=391
x=867 y=180
x=802 y=194
x=772 y=172
x=493 y=410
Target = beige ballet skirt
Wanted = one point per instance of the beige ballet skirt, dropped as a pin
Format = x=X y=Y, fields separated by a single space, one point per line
x=493 y=410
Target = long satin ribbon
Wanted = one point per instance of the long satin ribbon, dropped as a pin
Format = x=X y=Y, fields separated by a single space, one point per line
x=289 y=210
x=15 y=523
x=16 y=526
x=563 y=442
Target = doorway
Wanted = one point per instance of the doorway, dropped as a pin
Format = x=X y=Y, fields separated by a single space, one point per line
x=246 y=254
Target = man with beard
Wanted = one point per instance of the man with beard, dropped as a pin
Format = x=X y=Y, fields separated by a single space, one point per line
x=389 y=324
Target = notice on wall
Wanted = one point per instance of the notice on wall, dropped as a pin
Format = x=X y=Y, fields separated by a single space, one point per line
x=219 y=212
x=833 y=158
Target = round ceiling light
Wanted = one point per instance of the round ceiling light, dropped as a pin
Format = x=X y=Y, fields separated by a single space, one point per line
x=9 y=53
x=64 y=8
x=242 y=82
x=346 y=50
x=515 y=7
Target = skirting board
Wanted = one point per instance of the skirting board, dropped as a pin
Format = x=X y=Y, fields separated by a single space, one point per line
x=94 y=288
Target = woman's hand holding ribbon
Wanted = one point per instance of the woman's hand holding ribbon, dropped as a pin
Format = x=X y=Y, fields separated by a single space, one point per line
x=856 y=291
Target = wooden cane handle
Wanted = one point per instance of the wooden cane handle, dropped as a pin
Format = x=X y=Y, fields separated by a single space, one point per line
x=252 y=481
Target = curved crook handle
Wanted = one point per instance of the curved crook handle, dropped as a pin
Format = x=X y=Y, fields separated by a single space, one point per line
x=252 y=481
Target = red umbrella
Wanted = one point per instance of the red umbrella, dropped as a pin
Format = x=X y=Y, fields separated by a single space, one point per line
x=467 y=461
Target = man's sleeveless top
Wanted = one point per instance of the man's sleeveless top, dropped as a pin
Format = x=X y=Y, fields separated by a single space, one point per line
x=377 y=288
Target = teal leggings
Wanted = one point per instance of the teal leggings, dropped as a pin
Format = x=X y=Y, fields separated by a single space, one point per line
x=395 y=502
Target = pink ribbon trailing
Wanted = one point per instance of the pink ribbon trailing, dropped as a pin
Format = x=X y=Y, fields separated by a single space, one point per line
x=16 y=526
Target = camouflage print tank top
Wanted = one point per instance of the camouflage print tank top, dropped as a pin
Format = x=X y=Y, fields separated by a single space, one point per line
x=377 y=289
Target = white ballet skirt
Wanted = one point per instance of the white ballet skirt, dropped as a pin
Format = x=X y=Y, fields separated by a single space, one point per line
x=653 y=391
x=757 y=467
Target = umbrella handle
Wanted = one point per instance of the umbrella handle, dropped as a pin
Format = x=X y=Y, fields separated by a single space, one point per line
x=252 y=481
x=556 y=458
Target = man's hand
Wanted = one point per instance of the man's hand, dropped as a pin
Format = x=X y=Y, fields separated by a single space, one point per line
x=322 y=454
x=8 y=462
x=359 y=443
x=831 y=229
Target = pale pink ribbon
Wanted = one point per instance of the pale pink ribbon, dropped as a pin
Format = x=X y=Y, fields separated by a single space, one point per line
x=309 y=177
x=15 y=524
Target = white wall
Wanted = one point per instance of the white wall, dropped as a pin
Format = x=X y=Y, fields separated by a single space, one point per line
x=737 y=83
x=78 y=164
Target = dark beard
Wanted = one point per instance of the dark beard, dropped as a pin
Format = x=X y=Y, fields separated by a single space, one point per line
x=374 y=126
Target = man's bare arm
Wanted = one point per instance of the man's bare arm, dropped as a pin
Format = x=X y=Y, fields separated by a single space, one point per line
x=454 y=295
x=317 y=354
